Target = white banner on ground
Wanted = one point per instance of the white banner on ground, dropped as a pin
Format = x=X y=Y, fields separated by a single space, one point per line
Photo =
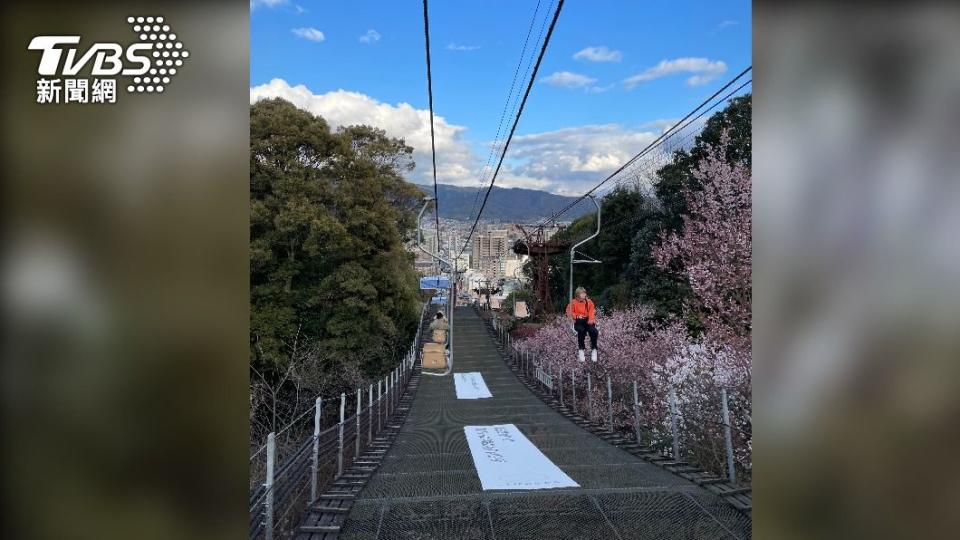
x=506 y=459
x=471 y=386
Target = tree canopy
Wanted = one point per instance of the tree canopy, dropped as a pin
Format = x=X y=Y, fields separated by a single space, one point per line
x=330 y=280
x=636 y=222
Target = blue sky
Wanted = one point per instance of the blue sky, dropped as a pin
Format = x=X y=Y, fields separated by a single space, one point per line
x=585 y=114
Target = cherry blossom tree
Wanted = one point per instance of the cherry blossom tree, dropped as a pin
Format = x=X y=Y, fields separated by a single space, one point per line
x=714 y=253
x=714 y=250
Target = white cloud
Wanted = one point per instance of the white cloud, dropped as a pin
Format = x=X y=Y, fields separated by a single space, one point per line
x=599 y=89
x=456 y=162
x=567 y=79
x=457 y=47
x=598 y=54
x=564 y=161
x=370 y=37
x=266 y=3
x=722 y=25
x=311 y=34
x=572 y=160
x=705 y=70
x=661 y=125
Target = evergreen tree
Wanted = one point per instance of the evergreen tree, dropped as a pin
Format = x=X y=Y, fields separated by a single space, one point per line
x=328 y=272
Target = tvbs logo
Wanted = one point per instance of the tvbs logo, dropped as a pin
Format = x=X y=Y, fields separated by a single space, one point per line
x=148 y=64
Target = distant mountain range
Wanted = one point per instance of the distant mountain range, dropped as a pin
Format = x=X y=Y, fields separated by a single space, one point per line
x=505 y=204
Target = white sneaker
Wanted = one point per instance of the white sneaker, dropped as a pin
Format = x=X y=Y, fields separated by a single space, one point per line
x=593 y=355
x=580 y=355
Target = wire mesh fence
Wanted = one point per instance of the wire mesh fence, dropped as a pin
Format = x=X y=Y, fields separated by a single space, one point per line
x=640 y=173
x=300 y=461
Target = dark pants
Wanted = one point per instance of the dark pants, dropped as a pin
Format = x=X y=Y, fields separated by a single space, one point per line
x=583 y=329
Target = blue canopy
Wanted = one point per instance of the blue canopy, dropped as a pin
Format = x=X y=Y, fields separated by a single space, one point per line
x=439 y=299
x=434 y=282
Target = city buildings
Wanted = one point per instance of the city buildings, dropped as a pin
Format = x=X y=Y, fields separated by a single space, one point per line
x=489 y=255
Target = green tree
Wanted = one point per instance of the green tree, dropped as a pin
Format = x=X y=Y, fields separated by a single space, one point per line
x=735 y=117
x=665 y=291
x=621 y=216
x=634 y=223
x=329 y=214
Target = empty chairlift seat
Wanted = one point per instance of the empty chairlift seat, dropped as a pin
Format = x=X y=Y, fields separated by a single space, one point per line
x=434 y=356
x=434 y=282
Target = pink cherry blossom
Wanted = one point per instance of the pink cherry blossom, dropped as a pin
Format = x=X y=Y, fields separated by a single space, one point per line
x=715 y=251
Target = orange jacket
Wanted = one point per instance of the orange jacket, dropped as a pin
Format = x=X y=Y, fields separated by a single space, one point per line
x=582 y=308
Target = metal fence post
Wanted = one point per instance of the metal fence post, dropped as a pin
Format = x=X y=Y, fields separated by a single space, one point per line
x=370 y=414
x=356 y=452
x=315 y=459
x=268 y=486
x=379 y=405
x=386 y=401
x=728 y=439
x=673 y=424
x=636 y=412
x=573 y=384
x=610 y=403
x=343 y=405
x=589 y=396
x=561 y=386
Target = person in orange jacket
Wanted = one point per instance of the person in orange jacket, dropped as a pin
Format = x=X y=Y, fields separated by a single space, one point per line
x=584 y=315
